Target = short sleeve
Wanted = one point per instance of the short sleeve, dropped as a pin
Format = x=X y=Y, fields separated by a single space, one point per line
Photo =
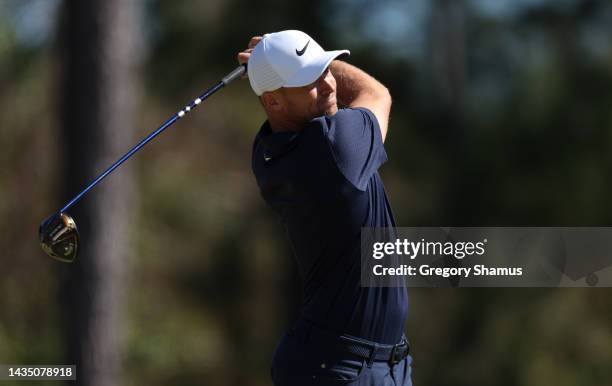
x=356 y=143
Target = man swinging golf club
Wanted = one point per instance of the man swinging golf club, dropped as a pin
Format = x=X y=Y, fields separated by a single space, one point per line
x=317 y=167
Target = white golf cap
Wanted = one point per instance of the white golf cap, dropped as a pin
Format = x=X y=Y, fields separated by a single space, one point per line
x=287 y=59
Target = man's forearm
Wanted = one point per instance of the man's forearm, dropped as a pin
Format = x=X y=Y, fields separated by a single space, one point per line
x=351 y=83
x=355 y=88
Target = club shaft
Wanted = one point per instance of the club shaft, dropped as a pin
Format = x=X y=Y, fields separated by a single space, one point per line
x=233 y=75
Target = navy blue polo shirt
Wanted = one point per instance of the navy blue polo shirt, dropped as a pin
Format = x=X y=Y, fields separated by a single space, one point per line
x=323 y=181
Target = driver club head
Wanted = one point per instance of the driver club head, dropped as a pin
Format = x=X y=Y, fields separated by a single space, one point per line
x=59 y=237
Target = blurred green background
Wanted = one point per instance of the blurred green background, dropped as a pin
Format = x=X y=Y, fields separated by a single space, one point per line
x=502 y=116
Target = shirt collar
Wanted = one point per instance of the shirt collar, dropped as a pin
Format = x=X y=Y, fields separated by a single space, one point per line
x=276 y=144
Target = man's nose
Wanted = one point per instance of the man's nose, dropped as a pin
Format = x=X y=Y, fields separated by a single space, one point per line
x=327 y=83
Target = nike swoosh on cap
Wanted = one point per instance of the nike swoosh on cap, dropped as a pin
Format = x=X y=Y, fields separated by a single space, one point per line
x=301 y=52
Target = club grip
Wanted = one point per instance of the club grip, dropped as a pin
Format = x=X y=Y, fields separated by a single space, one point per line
x=237 y=73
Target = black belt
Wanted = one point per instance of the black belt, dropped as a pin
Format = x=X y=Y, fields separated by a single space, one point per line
x=371 y=351
x=375 y=351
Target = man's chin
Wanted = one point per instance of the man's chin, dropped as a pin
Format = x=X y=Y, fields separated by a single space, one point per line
x=331 y=110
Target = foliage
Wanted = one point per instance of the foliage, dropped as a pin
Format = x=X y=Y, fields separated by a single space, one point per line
x=508 y=125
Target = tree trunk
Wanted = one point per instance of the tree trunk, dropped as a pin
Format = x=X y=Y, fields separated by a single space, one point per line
x=448 y=78
x=98 y=47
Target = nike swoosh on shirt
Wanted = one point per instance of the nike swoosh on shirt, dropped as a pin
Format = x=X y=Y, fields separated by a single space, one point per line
x=301 y=52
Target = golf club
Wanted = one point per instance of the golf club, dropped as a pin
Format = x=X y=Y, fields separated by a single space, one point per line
x=58 y=233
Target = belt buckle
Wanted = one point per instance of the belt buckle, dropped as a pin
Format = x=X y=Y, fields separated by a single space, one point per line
x=399 y=352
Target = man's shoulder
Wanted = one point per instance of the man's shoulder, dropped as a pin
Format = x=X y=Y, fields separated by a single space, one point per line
x=327 y=126
x=342 y=115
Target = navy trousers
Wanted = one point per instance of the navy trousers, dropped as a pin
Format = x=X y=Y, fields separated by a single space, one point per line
x=301 y=360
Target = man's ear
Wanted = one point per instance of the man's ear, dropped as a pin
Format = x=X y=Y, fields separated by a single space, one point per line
x=271 y=101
